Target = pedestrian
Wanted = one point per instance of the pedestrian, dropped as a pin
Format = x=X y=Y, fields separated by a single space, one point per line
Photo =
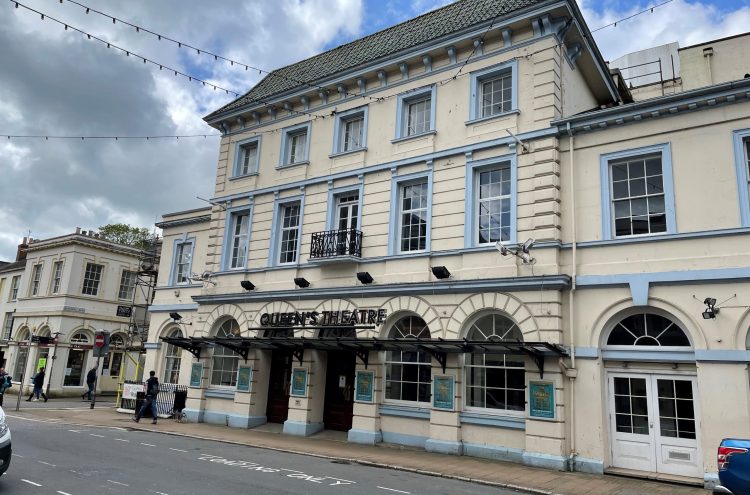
x=152 y=390
x=38 y=386
x=90 y=383
x=5 y=384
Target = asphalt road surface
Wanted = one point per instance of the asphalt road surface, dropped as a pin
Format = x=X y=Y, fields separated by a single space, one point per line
x=51 y=458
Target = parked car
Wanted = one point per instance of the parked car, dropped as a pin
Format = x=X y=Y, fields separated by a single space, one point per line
x=734 y=467
x=5 y=449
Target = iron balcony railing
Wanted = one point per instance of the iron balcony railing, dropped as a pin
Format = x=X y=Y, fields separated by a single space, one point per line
x=336 y=243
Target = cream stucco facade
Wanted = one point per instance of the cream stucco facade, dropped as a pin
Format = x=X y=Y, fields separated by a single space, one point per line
x=434 y=181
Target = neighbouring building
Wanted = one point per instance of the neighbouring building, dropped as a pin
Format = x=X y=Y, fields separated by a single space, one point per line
x=467 y=233
x=62 y=290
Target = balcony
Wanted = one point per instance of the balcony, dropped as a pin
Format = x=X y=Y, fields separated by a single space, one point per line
x=336 y=245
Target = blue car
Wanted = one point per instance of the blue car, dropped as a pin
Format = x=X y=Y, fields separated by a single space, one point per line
x=734 y=467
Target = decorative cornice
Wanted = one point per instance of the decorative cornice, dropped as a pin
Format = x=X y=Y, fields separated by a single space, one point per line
x=552 y=282
x=82 y=240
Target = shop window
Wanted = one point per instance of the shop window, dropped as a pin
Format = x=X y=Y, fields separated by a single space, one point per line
x=408 y=374
x=21 y=356
x=495 y=381
x=172 y=359
x=649 y=330
x=116 y=345
x=76 y=362
x=225 y=361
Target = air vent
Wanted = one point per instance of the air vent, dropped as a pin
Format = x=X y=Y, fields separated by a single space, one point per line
x=679 y=456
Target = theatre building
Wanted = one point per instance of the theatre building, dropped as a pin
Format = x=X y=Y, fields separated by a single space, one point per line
x=467 y=233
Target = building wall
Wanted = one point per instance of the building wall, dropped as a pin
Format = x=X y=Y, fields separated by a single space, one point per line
x=729 y=61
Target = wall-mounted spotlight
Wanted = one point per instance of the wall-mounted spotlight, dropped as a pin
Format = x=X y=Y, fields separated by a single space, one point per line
x=247 y=285
x=710 y=312
x=440 y=272
x=522 y=251
x=301 y=282
x=175 y=316
x=364 y=277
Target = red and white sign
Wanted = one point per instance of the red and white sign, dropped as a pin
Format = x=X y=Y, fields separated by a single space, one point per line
x=99 y=340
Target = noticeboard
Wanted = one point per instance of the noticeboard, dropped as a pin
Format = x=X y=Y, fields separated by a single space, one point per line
x=299 y=382
x=364 y=386
x=542 y=400
x=442 y=392
x=244 y=378
x=196 y=375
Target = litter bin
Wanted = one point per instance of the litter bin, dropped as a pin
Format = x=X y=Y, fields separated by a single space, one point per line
x=180 y=398
x=140 y=397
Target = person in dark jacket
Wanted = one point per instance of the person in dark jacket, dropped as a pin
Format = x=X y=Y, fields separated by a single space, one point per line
x=90 y=383
x=5 y=384
x=152 y=390
x=38 y=386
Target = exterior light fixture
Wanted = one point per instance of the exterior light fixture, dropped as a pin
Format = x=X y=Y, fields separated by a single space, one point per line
x=710 y=312
x=364 y=277
x=440 y=272
x=301 y=282
x=175 y=316
x=247 y=285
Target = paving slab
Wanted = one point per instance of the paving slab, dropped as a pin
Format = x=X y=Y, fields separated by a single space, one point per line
x=331 y=445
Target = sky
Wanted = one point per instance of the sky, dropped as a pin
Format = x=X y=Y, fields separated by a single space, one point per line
x=57 y=82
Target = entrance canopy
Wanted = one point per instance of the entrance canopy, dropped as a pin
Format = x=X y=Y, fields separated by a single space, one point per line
x=438 y=348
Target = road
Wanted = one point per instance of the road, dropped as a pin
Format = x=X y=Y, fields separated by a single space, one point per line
x=52 y=458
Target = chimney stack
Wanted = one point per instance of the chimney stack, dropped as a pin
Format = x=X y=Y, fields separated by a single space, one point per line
x=22 y=248
x=78 y=230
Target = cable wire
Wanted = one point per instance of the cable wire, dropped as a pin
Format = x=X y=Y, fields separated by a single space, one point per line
x=633 y=15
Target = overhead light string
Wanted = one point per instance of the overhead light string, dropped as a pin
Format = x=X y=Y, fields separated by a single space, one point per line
x=647 y=9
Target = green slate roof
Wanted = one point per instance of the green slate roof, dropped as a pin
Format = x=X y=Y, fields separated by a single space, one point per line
x=414 y=32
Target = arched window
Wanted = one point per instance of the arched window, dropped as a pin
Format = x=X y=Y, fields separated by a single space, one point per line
x=172 y=358
x=22 y=355
x=79 y=338
x=647 y=329
x=116 y=341
x=408 y=374
x=116 y=354
x=76 y=361
x=225 y=361
x=495 y=381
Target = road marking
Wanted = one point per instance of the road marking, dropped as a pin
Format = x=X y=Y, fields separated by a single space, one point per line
x=30 y=482
x=148 y=444
x=75 y=431
x=117 y=483
x=95 y=435
x=63 y=493
x=47 y=463
x=177 y=450
x=392 y=489
x=158 y=493
x=121 y=440
x=17 y=455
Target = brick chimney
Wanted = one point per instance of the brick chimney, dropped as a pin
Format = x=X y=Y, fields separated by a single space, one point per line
x=22 y=248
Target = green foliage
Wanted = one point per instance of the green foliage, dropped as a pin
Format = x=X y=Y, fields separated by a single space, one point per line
x=122 y=233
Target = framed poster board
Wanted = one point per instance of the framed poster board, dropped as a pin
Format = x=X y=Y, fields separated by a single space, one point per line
x=299 y=382
x=442 y=392
x=542 y=400
x=244 y=378
x=196 y=375
x=364 y=381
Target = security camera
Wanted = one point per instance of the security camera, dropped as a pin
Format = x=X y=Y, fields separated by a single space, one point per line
x=709 y=301
x=527 y=245
x=502 y=248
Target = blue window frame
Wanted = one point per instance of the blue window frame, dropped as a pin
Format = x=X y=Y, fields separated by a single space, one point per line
x=741 y=139
x=246 y=157
x=415 y=113
x=494 y=91
x=182 y=261
x=237 y=238
x=637 y=192
x=492 y=201
x=295 y=145
x=335 y=195
x=286 y=234
x=411 y=213
x=350 y=131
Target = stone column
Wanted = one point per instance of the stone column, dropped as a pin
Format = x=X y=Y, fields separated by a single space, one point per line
x=366 y=420
x=445 y=425
x=306 y=413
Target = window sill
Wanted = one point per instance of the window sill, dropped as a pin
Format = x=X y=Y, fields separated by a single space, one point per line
x=344 y=153
x=220 y=394
x=244 y=176
x=404 y=411
x=401 y=139
x=493 y=117
x=290 y=165
x=495 y=420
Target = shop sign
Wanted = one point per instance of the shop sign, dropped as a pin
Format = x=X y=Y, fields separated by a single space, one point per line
x=542 y=400
x=364 y=382
x=324 y=318
x=124 y=311
x=130 y=390
x=196 y=375
x=244 y=378
x=442 y=391
x=299 y=382
x=41 y=363
x=81 y=346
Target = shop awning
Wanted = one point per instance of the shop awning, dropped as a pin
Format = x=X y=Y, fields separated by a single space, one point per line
x=437 y=348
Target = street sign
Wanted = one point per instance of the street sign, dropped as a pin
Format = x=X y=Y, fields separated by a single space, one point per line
x=99 y=340
x=101 y=343
x=124 y=311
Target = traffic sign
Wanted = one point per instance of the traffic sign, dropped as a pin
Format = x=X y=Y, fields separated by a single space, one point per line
x=101 y=343
x=99 y=340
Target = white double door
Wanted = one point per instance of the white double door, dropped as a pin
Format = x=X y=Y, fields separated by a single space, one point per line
x=655 y=423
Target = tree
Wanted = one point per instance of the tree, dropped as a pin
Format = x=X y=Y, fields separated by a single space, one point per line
x=122 y=233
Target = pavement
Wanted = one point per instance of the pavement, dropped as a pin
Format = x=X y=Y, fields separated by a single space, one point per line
x=333 y=446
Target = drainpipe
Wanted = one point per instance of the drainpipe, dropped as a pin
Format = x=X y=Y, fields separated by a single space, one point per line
x=572 y=376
